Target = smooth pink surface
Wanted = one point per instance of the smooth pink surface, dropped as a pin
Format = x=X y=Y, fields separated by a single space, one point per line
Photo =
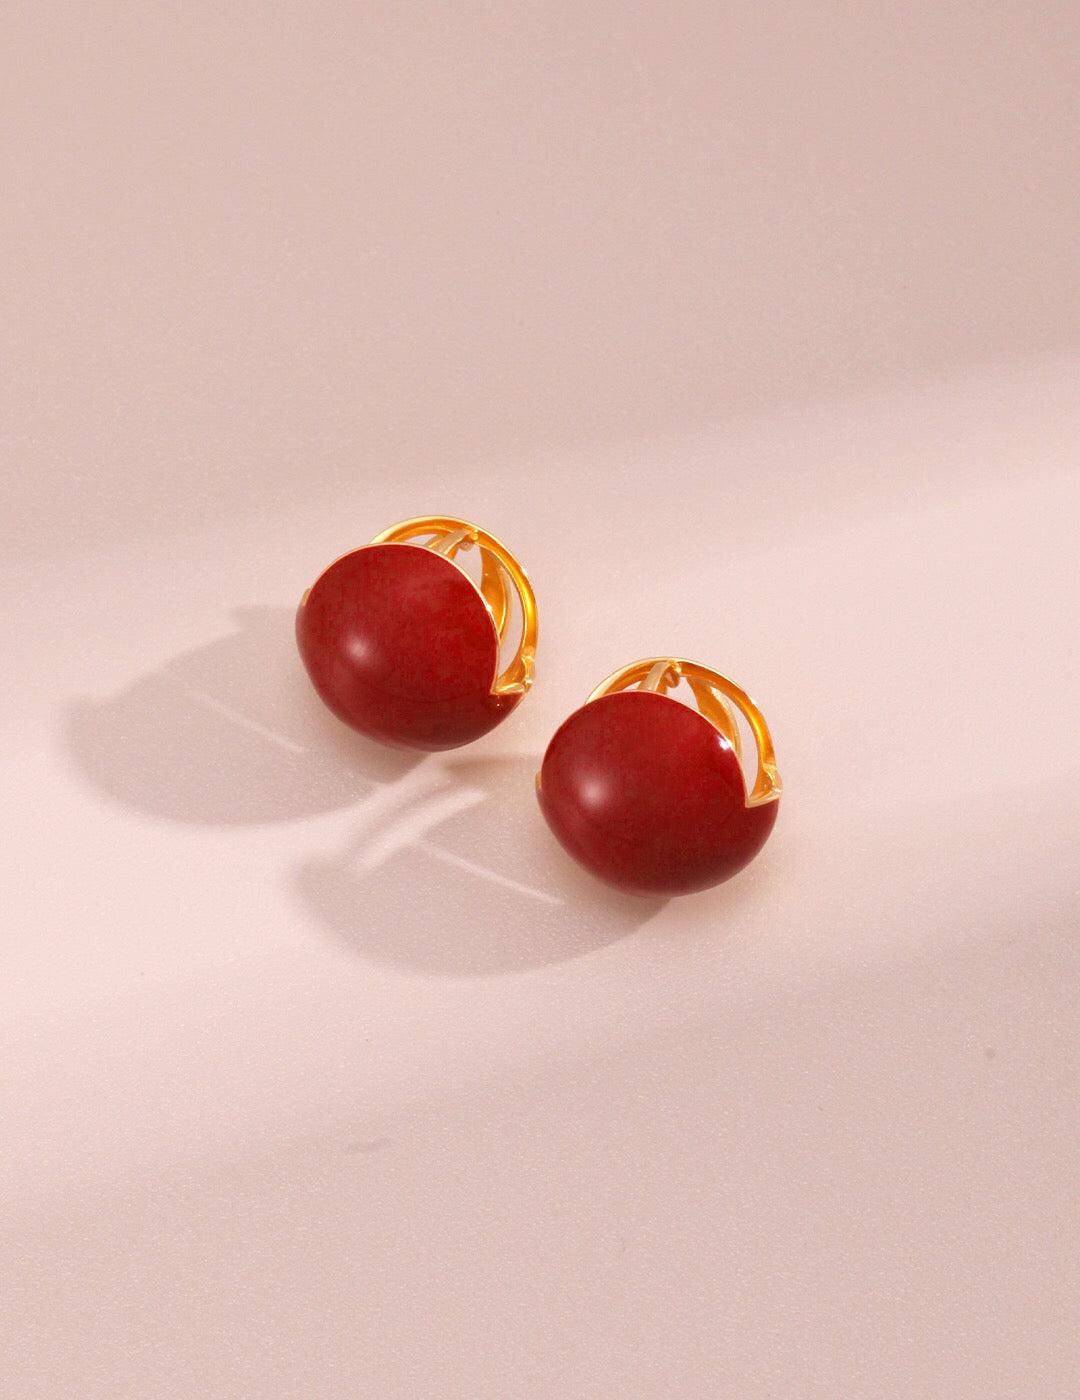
x=399 y=643
x=649 y=796
x=323 y=1071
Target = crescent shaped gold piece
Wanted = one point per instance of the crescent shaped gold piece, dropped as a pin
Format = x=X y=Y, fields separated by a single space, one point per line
x=500 y=572
x=715 y=696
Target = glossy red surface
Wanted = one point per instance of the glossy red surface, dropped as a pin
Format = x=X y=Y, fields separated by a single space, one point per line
x=399 y=644
x=649 y=796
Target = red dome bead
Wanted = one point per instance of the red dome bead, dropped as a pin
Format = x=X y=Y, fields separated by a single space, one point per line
x=648 y=795
x=400 y=644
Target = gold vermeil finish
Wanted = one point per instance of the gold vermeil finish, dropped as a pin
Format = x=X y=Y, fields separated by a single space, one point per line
x=500 y=572
x=715 y=695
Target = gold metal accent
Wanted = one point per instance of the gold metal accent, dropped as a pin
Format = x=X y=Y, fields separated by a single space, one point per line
x=449 y=545
x=500 y=572
x=715 y=695
x=661 y=678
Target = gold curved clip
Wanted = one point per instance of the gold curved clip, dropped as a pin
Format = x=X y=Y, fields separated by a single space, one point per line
x=500 y=572
x=715 y=695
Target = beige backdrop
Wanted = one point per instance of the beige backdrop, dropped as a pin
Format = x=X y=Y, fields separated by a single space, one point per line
x=755 y=332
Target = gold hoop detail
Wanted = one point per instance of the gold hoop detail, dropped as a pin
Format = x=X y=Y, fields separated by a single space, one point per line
x=499 y=571
x=715 y=695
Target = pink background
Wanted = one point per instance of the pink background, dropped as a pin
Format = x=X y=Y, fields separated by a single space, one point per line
x=755 y=332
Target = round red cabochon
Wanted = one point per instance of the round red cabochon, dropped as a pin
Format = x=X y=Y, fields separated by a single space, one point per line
x=400 y=644
x=648 y=795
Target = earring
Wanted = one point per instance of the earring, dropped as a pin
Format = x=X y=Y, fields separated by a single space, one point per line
x=403 y=645
x=648 y=793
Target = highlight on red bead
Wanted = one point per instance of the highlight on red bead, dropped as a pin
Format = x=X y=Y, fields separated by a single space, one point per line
x=649 y=795
x=402 y=645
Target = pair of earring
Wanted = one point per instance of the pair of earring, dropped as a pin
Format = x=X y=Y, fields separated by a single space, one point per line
x=643 y=790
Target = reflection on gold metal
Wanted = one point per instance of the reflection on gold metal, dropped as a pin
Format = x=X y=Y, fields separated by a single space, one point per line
x=500 y=572
x=451 y=543
x=715 y=695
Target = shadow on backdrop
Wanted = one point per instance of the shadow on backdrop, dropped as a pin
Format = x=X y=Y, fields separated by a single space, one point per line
x=452 y=872
x=451 y=869
x=227 y=734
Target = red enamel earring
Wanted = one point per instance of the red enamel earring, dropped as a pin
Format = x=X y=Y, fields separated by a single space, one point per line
x=403 y=645
x=649 y=793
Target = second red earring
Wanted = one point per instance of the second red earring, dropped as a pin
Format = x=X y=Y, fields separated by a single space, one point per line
x=649 y=793
x=404 y=645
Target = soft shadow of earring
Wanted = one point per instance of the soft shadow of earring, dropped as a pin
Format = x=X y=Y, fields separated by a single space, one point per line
x=229 y=733
x=451 y=873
